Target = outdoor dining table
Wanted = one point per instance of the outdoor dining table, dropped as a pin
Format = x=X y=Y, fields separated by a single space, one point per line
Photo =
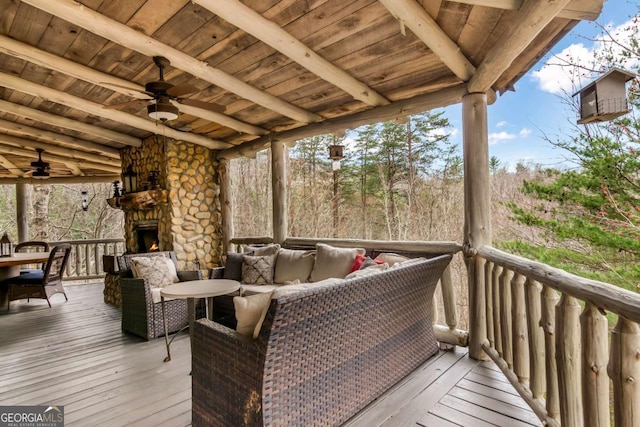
x=10 y=267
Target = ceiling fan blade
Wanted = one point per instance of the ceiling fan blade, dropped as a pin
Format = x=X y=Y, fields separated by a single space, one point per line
x=216 y=108
x=124 y=104
x=181 y=90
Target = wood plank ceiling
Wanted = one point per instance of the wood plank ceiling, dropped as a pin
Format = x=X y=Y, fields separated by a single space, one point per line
x=277 y=70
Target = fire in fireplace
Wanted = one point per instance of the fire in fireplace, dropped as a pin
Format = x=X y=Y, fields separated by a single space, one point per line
x=147 y=236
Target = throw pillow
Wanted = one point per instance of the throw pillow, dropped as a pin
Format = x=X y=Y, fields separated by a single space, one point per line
x=391 y=258
x=368 y=262
x=250 y=313
x=158 y=270
x=233 y=266
x=333 y=262
x=257 y=270
x=292 y=265
x=357 y=263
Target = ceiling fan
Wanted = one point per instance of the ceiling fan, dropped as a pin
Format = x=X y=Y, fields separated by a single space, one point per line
x=40 y=168
x=162 y=92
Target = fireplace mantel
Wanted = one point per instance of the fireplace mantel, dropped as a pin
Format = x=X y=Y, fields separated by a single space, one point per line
x=141 y=200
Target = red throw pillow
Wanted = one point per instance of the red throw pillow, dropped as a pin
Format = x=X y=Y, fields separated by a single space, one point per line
x=357 y=262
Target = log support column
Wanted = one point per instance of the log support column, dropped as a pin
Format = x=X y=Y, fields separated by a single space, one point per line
x=279 y=190
x=477 y=203
x=21 y=212
x=226 y=211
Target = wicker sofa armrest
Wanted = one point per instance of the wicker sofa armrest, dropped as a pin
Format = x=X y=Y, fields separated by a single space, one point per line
x=187 y=275
x=226 y=367
x=216 y=273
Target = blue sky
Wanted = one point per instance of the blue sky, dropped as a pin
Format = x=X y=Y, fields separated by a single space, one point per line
x=519 y=121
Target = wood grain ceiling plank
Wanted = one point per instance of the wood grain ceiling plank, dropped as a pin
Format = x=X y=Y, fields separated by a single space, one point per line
x=272 y=34
x=481 y=23
x=64 y=122
x=58 y=148
x=15 y=128
x=530 y=20
x=576 y=9
x=9 y=9
x=97 y=109
x=11 y=167
x=45 y=59
x=132 y=39
x=426 y=29
x=452 y=19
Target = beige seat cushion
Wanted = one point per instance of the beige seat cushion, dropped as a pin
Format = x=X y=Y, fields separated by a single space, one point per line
x=292 y=265
x=333 y=262
x=247 y=290
x=158 y=270
x=391 y=258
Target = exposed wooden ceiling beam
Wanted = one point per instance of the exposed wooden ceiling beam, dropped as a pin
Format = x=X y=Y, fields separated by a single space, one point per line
x=96 y=23
x=531 y=19
x=5 y=149
x=71 y=153
x=74 y=168
x=401 y=108
x=411 y=14
x=577 y=9
x=63 y=122
x=61 y=180
x=272 y=34
x=13 y=169
x=14 y=128
x=59 y=97
x=45 y=59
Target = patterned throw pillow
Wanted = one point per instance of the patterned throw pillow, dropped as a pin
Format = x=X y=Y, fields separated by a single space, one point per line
x=257 y=270
x=158 y=270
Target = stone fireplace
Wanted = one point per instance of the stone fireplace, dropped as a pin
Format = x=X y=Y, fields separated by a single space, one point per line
x=189 y=223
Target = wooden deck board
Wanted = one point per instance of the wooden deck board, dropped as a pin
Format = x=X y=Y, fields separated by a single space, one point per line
x=75 y=355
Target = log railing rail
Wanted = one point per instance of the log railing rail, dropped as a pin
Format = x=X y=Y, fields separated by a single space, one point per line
x=85 y=259
x=447 y=334
x=547 y=332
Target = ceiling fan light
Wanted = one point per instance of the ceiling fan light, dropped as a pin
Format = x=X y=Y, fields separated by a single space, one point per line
x=162 y=112
x=40 y=174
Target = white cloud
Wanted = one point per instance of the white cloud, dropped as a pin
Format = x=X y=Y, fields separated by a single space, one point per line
x=525 y=132
x=497 y=137
x=501 y=123
x=557 y=76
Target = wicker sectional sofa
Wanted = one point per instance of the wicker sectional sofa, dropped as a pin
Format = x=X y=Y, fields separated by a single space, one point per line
x=322 y=354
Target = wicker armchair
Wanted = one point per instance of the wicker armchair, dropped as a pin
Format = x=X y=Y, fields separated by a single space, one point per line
x=140 y=315
x=322 y=354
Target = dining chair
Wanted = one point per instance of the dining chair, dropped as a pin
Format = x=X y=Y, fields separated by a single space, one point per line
x=41 y=283
x=32 y=246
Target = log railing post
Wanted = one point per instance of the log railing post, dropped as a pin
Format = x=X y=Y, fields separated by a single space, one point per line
x=549 y=301
x=520 y=340
x=505 y=317
x=477 y=204
x=624 y=370
x=595 y=382
x=497 y=324
x=21 y=212
x=568 y=360
x=536 y=338
x=449 y=299
x=488 y=288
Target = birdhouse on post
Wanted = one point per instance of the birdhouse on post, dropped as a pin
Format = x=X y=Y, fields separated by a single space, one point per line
x=605 y=98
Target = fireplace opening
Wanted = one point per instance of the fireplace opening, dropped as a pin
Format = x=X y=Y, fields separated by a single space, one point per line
x=147 y=236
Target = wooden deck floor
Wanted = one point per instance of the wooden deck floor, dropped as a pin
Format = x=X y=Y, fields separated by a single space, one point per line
x=75 y=355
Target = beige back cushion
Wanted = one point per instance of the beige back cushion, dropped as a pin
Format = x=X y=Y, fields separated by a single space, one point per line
x=292 y=265
x=333 y=262
x=250 y=313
